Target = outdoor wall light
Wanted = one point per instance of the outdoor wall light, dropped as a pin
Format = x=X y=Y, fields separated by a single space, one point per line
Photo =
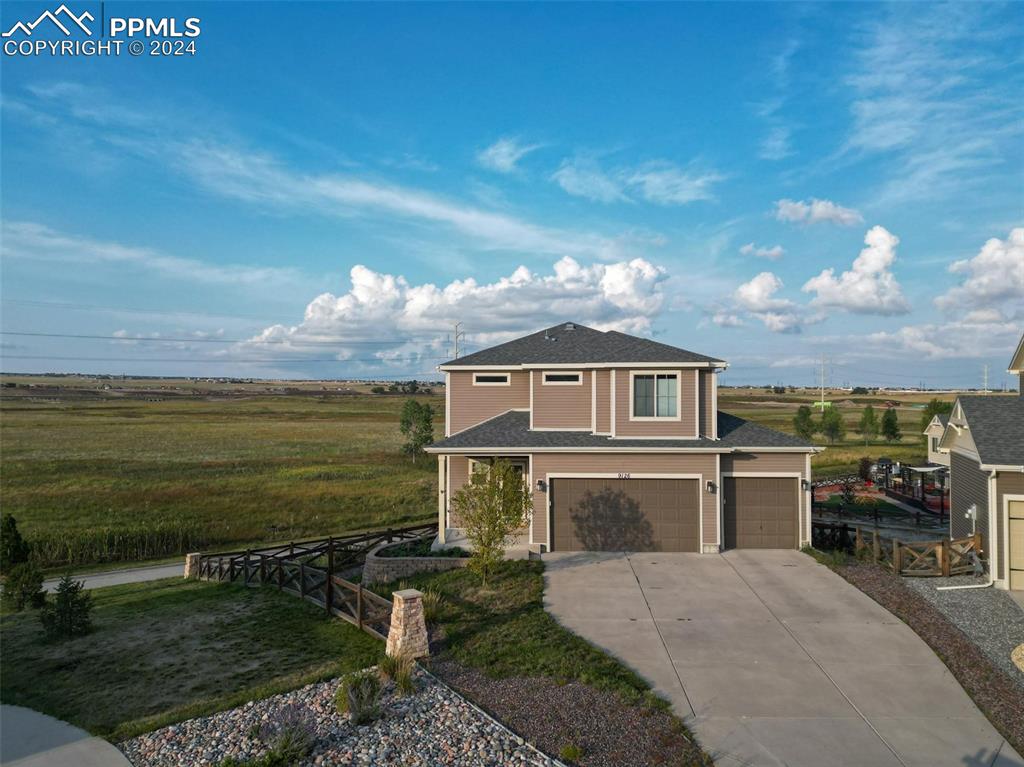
x=542 y=486
x=804 y=484
x=711 y=486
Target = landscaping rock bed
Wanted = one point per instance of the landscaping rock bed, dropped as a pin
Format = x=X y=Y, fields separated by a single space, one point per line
x=606 y=730
x=987 y=615
x=433 y=726
x=999 y=697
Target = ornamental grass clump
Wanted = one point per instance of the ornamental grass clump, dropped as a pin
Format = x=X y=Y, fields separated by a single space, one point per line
x=289 y=735
x=359 y=697
x=433 y=605
x=399 y=669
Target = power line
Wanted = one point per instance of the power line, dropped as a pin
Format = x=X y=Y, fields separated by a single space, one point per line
x=339 y=342
x=230 y=360
x=139 y=310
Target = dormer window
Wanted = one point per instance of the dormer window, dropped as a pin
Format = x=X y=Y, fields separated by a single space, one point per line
x=491 y=379
x=562 y=378
x=655 y=396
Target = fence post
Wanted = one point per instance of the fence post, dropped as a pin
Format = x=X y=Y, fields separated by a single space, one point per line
x=390 y=535
x=329 y=587
x=944 y=558
x=359 y=606
x=977 y=544
x=858 y=541
x=897 y=556
x=302 y=580
x=876 y=546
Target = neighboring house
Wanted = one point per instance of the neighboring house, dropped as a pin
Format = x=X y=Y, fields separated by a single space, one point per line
x=933 y=434
x=622 y=443
x=985 y=441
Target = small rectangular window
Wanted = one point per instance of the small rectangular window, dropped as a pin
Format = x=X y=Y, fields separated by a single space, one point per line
x=563 y=378
x=490 y=379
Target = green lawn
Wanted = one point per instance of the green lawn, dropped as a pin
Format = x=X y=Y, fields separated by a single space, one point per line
x=94 y=481
x=170 y=650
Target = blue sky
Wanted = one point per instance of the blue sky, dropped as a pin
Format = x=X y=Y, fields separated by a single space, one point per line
x=324 y=189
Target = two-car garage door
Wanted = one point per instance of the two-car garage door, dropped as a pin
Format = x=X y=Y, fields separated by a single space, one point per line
x=604 y=514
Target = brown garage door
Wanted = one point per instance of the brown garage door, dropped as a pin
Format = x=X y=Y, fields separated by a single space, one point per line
x=625 y=514
x=761 y=512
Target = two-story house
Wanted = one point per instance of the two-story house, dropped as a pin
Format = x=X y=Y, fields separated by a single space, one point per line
x=622 y=443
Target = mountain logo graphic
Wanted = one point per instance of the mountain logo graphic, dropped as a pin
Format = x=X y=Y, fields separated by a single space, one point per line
x=63 y=18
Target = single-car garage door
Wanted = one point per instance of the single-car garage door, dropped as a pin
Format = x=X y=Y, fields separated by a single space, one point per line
x=761 y=512
x=594 y=514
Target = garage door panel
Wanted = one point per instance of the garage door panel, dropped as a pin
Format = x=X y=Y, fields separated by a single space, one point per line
x=760 y=512
x=596 y=514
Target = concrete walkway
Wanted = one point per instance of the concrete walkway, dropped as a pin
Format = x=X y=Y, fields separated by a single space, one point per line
x=772 y=659
x=31 y=739
x=120 y=577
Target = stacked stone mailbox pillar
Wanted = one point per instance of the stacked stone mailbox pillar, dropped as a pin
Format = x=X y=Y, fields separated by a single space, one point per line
x=408 y=634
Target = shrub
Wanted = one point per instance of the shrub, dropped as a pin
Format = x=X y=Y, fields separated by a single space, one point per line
x=391 y=666
x=570 y=752
x=290 y=735
x=24 y=587
x=69 y=615
x=864 y=468
x=433 y=605
x=13 y=548
x=359 y=697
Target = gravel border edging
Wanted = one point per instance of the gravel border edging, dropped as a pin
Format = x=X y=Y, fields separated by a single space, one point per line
x=1000 y=698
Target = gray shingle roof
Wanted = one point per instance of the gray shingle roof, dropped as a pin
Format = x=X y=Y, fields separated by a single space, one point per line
x=560 y=345
x=997 y=428
x=511 y=430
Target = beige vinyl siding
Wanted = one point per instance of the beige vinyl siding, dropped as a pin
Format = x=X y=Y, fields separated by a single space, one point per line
x=458 y=475
x=471 y=404
x=968 y=485
x=707 y=403
x=687 y=408
x=604 y=401
x=772 y=463
x=1007 y=483
x=561 y=406
x=632 y=463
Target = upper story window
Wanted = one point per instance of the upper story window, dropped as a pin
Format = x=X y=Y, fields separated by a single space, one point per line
x=491 y=379
x=655 y=395
x=563 y=379
x=935 y=444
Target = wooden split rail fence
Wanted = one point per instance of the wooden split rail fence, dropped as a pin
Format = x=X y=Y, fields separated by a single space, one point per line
x=309 y=569
x=957 y=556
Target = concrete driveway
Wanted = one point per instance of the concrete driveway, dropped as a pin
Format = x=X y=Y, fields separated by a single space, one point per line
x=772 y=659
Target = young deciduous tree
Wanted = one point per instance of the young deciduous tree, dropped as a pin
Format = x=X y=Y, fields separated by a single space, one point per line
x=933 y=408
x=891 y=426
x=803 y=424
x=490 y=508
x=417 y=424
x=832 y=425
x=868 y=426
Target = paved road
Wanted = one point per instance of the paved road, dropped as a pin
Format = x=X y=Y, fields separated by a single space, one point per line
x=31 y=739
x=772 y=659
x=119 y=577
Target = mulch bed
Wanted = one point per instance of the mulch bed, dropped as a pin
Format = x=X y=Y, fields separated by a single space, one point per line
x=998 y=696
x=608 y=731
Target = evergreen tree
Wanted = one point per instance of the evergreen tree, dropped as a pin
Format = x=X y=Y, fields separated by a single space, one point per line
x=868 y=426
x=891 y=426
x=13 y=548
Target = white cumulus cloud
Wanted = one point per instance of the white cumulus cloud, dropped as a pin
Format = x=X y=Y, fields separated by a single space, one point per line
x=815 y=211
x=992 y=282
x=774 y=253
x=503 y=155
x=869 y=287
x=757 y=297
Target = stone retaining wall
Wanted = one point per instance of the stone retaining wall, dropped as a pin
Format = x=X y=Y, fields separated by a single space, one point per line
x=387 y=569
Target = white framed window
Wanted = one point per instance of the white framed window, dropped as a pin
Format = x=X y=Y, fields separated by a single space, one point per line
x=654 y=396
x=563 y=378
x=491 y=379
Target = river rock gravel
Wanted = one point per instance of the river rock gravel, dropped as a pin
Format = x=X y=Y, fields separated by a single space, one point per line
x=433 y=726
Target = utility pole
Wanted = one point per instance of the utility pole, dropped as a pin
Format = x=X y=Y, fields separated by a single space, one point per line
x=457 y=334
x=984 y=387
x=822 y=383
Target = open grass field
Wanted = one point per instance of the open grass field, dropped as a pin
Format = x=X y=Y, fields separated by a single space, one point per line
x=149 y=468
x=170 y=650
x=99 y=478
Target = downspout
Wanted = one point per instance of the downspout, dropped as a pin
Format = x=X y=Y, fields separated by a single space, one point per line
x=992 y=568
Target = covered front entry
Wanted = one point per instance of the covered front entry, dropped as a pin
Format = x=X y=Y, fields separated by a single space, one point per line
x=761 y=512
x=609 y=514
x=1016 y=518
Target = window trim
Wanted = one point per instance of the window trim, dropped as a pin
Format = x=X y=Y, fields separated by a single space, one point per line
x=578 y=382
x=679 y=395
x=506 y=382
